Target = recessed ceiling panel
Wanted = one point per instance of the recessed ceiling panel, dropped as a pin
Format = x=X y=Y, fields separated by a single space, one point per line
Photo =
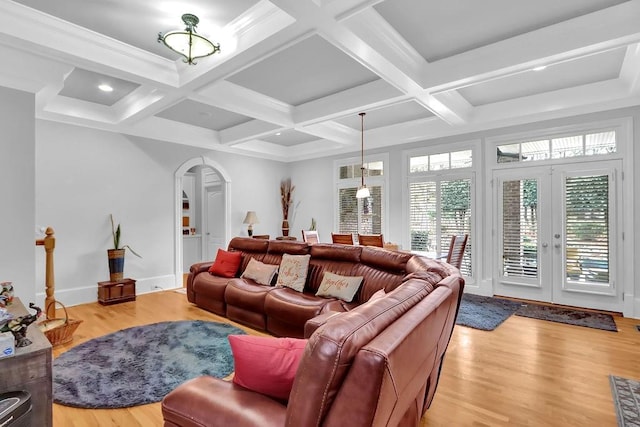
x=386 y=116
x=308 y=70
x=138 y=22
x=590 y=69
x=290 y=137
x=203 y=115
x=84 y=85
x=438 y=30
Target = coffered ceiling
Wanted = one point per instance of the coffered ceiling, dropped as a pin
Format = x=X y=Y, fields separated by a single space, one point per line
x=293 y=75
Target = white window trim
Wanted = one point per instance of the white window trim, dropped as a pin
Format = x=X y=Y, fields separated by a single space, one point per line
x=349 y=183
x=476 y=187
x=624 y=151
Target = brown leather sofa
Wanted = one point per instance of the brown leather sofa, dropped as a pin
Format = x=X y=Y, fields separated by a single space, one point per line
x=375 y=365
x=282 y=311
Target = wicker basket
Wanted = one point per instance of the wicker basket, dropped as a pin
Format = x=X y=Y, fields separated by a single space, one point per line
x=59 y=331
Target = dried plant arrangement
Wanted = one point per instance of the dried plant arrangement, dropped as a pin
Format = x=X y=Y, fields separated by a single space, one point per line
x=286 y=197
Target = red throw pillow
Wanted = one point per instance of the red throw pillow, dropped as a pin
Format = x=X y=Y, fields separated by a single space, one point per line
x=226 y=263
x=266 y=365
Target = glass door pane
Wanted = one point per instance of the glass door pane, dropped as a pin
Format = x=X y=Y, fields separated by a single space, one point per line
x=520 y=228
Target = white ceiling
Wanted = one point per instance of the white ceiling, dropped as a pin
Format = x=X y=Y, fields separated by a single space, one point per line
x=293 y=75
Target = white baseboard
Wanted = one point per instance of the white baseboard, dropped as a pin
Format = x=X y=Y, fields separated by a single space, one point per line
x=87 y=294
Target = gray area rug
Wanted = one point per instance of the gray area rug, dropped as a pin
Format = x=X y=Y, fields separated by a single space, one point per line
x=142 y=364
x=626 y=398
x=569 y=316
x=485 y=313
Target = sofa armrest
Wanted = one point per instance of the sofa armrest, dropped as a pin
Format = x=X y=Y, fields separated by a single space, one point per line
x=200 y=267
x=211 y=402
x=312 y=324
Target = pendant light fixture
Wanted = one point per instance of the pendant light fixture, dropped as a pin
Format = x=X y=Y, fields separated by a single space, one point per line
x=187 y=42
x=363 y=191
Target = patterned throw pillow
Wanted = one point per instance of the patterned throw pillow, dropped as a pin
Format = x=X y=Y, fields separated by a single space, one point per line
x=293 y=271
x=260 y=272
x=342 y=287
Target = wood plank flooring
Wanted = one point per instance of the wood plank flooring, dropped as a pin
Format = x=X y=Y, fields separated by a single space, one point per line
x=525 y=373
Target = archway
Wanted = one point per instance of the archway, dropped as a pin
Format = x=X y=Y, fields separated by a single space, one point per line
x=224 y=185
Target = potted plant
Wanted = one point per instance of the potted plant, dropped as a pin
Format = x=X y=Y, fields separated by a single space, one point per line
x=116 y=255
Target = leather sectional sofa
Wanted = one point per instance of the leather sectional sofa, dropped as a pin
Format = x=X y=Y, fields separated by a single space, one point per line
x=366 y=363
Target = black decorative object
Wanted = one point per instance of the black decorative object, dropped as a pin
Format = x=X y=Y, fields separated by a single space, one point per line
x=18 y=326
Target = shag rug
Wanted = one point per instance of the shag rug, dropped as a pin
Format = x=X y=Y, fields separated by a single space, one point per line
x=142 y=364
x=569 y=316
x=485 y=313
x=626 y=398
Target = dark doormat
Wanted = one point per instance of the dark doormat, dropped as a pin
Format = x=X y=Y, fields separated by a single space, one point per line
x=626 y=398
x=569 y=316
x=485 y=313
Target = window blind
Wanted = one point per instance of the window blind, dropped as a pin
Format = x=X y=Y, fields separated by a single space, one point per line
x=587 y=228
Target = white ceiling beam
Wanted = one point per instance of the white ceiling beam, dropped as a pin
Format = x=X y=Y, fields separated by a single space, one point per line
x=630 y=70
x=33 y=31
x=240 y=100
x=254 y=129
x=612 y=92
x=365 y=97
x=134 y=106
x=595 y=32
x=258 y=23
x=341 y=36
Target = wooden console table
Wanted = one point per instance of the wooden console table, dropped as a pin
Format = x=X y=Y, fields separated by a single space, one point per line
x=115 y=292
x=30 y=369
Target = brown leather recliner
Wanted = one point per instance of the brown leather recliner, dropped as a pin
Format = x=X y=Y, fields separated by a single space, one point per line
x=374 y=365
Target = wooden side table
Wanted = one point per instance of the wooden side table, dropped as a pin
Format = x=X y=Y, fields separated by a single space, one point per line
x=286 y=238
x=30 y=370
x=115 y=292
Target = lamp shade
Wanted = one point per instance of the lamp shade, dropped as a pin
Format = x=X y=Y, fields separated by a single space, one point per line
x=187 y=42
x=251 y=218
x=363 y=192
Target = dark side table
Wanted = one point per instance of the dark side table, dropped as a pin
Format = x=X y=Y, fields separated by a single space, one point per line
x=115 y=292
x=30 y=369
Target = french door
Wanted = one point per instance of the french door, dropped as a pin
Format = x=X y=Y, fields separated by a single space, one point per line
x=557 y=234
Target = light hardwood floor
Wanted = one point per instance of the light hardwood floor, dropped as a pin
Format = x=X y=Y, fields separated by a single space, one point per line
x=525 y=373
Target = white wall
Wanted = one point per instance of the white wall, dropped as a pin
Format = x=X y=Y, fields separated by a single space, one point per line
x=17 y=189
x=83 y=175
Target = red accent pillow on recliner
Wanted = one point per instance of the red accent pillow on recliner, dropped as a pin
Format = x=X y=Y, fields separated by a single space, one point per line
x=226 y=263
x=266 y=365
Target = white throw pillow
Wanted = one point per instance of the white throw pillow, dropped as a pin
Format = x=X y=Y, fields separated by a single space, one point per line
x=293 y=271
x=260 y=272
x=343 y=287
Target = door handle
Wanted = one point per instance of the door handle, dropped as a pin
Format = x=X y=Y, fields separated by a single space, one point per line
x=544 y=245
x=557 y=246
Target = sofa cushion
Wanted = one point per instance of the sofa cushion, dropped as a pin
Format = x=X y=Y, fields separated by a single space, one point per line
x=266 y=365
x=342 y=287
x=260 y=272
x=226 y=263
x=293 y=271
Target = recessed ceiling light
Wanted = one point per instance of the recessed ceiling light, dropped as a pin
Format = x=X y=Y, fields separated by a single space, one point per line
x=279 y=133
x=105 y=88
x=540 y=68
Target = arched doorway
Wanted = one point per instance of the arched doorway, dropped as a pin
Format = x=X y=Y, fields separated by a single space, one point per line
x=201 y=218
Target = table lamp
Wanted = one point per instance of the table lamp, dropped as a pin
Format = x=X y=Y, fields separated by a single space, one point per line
x=250 y=219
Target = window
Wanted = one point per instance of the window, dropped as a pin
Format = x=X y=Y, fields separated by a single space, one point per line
x=585 y=144
x=366 y=215
x=440 y=202
x=440 y=208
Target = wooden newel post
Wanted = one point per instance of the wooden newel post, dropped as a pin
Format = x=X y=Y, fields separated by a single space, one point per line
x=49 y=281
